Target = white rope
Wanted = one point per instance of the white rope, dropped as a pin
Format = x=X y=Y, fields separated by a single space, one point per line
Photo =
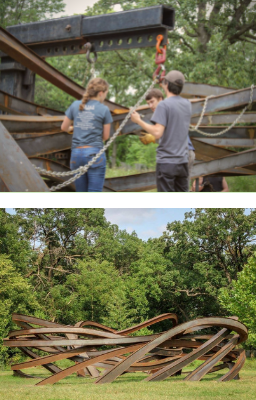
x=82 y=170
x=195 y=128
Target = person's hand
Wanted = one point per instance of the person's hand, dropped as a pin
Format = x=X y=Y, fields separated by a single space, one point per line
x=70 y=130
x=147 y=138
x=135 y=117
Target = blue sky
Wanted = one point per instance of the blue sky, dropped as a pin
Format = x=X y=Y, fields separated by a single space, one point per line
x=146 y=222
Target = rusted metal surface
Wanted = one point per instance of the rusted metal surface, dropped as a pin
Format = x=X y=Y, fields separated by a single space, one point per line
x=228 y=142
x=16 y=171
x=225 y=118
x=131 y=183
x=242 y=159
x=21 y=53
x=227 y=101
x=43 y=143
x=201 y=89
x=237 y=132
x=29 y=123
x=51 y=165
x=159 y=355
x=14 y=105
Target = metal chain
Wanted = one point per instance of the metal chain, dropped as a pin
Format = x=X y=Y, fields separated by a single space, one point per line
x=82 y=170
x=192 y=128
x=92 y=72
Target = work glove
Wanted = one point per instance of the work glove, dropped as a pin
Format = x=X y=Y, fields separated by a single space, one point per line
x=147 y=138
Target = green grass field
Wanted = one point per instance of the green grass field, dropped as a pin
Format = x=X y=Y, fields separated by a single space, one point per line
x=130 y=387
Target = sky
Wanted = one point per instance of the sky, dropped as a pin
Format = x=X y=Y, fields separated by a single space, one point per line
x=75 y=7
x=146 y=222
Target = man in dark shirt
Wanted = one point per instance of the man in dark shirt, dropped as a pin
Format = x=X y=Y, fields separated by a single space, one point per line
x=172 y=118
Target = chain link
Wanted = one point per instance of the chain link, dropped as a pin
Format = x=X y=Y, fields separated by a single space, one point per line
x=92 y=72
x=192 y=128
x=82 y=170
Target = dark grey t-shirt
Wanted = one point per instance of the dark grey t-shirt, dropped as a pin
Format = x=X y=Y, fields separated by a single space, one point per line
x=88 y=124
x=175 y=114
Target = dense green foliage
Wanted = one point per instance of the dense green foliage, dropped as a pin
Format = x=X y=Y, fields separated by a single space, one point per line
x=240 y=298
x=13 y=12
x=68 y=265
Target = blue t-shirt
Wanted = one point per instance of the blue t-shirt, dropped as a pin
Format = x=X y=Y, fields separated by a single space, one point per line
x=88 y=123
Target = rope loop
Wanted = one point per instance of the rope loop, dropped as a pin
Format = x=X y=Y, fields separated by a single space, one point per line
x=247 y=107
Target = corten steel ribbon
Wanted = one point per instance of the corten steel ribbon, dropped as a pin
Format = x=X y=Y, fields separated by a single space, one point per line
x=159 y=355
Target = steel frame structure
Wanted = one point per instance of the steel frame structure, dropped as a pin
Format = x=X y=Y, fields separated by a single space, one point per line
x=36 y=130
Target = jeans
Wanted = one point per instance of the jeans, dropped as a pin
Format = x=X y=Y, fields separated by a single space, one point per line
x=93 y=179
x=172 y=177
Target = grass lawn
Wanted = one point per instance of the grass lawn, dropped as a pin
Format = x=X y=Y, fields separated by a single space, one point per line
x=130 y=387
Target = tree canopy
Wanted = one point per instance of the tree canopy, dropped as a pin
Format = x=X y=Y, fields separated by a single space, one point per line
x=68 y=265
x=14 y=12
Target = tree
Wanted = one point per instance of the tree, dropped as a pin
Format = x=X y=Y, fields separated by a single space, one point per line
x=64 y=240
x=59 y=238
x=240 y=298
x=12 y=243
x=16 y=295
x=90 y=294
x=211 y=41
x=14 y=12
x=205 y=252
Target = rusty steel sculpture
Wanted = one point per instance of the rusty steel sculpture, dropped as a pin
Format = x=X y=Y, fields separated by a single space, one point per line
x=104 y=353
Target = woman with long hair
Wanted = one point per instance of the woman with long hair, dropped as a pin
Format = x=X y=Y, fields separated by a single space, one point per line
x=92 y=122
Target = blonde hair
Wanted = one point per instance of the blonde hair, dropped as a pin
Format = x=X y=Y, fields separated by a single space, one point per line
x=94 y=86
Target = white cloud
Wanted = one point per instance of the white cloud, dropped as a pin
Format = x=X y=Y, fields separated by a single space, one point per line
x=135 y=216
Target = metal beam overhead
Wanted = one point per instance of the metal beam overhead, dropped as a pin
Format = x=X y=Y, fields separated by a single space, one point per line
x=120 y=30
x=33 y=62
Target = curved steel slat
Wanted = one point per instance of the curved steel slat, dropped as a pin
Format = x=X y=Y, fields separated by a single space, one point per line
x=162 y=354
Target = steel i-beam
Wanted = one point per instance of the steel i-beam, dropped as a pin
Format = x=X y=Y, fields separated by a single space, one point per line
x=115 y=31
x=16 y=171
